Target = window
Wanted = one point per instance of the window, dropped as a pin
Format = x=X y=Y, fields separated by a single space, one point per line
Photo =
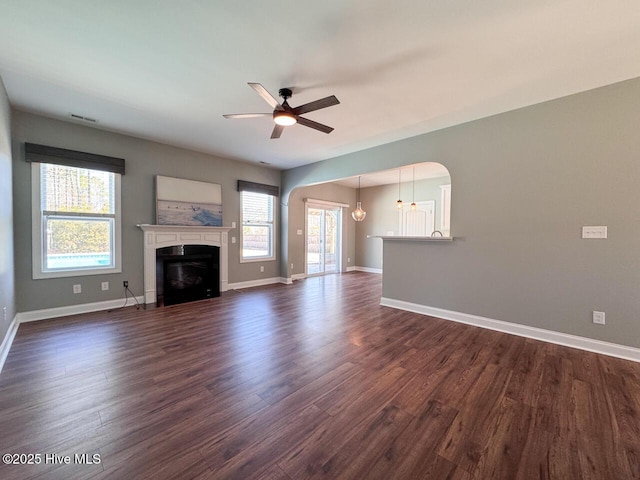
x=76 y=221
x=257 y=218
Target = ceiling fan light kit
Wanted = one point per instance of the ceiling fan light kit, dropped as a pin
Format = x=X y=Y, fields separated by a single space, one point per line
x=283 y=118
x=284 y=115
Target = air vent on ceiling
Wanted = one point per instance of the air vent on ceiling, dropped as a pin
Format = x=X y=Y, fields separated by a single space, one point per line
x=264 y=163
x=84 y=119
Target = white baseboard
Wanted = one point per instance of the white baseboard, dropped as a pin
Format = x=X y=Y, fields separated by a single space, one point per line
x=351 y=269
x=259 y=282
x=298 y=276
x=568 y=340
x=368 y=269
x=8 y=341
x=47 y=313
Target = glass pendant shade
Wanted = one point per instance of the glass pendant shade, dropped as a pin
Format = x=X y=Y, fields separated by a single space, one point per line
x=413 y=206
x=399 y=204
x=358 y=214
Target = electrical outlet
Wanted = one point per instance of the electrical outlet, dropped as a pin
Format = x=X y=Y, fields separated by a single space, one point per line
x=348 y=259
x=4 y=314
x=262 y=268
x=104 y=286
x=594 y=232
x=598 y=318
x=292 y=266
x=125 y=284
x=233 y=239
x=233 y=224
x=77 y=288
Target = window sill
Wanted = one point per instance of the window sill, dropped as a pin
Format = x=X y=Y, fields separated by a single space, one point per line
x=76 y=273
x=258 y=259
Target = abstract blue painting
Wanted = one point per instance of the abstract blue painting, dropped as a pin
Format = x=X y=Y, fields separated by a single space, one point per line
x=187 y=213
x=188 y=202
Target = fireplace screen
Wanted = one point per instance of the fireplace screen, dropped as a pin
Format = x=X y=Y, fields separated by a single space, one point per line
x=186 y=273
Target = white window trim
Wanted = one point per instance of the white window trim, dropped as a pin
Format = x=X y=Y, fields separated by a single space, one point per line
x=274 y=237
x=37 y=246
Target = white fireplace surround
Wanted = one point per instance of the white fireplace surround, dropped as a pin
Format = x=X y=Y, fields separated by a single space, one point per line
x=160 y=236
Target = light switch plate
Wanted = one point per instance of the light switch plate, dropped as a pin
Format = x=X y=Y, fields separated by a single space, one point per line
x=594 y=232
x=105 y=286
x=233 y=239
x=77 y=288
x=299 y=232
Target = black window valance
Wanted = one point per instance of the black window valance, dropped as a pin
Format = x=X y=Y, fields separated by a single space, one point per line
x=71 y=158
x=244 y=186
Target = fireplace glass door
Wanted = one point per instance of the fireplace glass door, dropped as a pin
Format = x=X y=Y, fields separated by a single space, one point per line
x=187 y=273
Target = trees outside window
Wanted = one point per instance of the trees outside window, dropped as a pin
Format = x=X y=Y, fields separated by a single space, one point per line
x=76 y=221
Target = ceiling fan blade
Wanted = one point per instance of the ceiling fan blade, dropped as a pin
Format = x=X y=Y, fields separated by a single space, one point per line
x=247 y=115
x=266 y=95
x=277 y=131
x=316 y=105
x=315 y=125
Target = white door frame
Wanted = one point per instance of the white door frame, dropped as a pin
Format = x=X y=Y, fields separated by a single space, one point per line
x=324 y=205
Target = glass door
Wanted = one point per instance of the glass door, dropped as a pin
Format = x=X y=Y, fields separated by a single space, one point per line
x=324 y=225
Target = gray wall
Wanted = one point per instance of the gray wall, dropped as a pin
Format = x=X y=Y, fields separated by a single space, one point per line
x=524 y=183
x=7 y=286
x=329 y=192
x=144 y=160
x=382 y=215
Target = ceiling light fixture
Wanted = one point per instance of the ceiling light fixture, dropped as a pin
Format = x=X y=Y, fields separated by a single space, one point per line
x=413 y=195
x=399 y=202
x=358 y=214
x=284 y=118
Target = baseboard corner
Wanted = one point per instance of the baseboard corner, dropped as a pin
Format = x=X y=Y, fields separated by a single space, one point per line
x=7 y=341
x=368 y=270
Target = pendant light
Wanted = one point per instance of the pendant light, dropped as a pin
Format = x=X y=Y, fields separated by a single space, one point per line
x=413 y=195
x=358 y=214
x=399 y=202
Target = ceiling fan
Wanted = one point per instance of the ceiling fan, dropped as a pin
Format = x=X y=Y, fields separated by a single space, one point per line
x=284 y=115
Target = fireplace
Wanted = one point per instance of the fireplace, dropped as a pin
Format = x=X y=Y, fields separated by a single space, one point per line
x=157 y=237
x=185 y=273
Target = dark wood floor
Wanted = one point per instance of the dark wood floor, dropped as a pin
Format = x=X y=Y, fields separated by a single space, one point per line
x=311 y=380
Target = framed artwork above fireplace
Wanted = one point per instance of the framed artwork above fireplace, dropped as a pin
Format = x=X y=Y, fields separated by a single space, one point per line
x=188 y=202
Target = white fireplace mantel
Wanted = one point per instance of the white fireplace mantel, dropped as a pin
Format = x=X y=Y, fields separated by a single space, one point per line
x=159 y=236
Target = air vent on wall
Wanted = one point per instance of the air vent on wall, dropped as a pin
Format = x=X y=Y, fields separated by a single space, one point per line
x=84 y=119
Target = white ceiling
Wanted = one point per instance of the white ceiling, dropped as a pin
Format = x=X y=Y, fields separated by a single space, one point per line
x=168 y=70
